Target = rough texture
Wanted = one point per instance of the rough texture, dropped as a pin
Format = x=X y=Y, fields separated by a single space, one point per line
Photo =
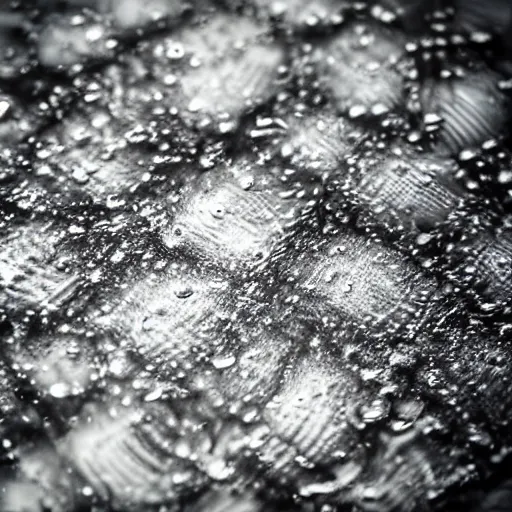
x=255 y=256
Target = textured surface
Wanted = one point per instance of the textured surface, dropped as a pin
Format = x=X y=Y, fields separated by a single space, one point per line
x=255 y=256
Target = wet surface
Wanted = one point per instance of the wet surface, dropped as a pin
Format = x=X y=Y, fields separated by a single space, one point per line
x=255 y=256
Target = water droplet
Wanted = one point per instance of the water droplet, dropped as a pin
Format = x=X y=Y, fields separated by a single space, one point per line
x=76 y=230
x=356 y=111
x=175 y=51
x=505 y=177
x=467 y=154
x=181 y=478
x=224 y=362
x=154 y=395
x=94 y=33
x=117 y=257
x=423 y=238
x=170 y=79
x=227 y=127
x=432 y=119
x=5 y=108
x=196 y=104
x=376 y=411
x=183 y=291
x=60 y=390
x=346 y=287
x=217 y=211
x=218 y=470
x=87 y=491
x=80 y=176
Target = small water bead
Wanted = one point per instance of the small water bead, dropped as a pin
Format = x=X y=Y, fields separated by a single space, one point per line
x=196 y=104
x=60 y=390
x=375 y=411
x=5 y=109
x=94 y=33
x=175 y=51
x=221 y=363
x=505 y=177
x=357 y=111
x=183 y=291
x=87 y=491
x=153 y=395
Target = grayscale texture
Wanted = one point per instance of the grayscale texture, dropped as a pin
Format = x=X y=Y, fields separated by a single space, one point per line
x=255 y=256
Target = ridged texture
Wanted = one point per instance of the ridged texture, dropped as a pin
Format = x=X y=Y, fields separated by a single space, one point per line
x=223 y=68
x=493 y=267
x=29 y=275
x=418 y=191
x=472 y=108
x=79 y=37
x=309 y=412
x=319 y=142
x=359 y=68
x=226 y=501
x=63 y=44
x=108 y=143
x=129 y=457
x=189 y=308
x=256 y=329
x=242 y=211
x=366 y=281
x=88 y=151
x=252 y=375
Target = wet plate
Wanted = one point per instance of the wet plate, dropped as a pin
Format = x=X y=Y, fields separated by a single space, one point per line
x=255 y=256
